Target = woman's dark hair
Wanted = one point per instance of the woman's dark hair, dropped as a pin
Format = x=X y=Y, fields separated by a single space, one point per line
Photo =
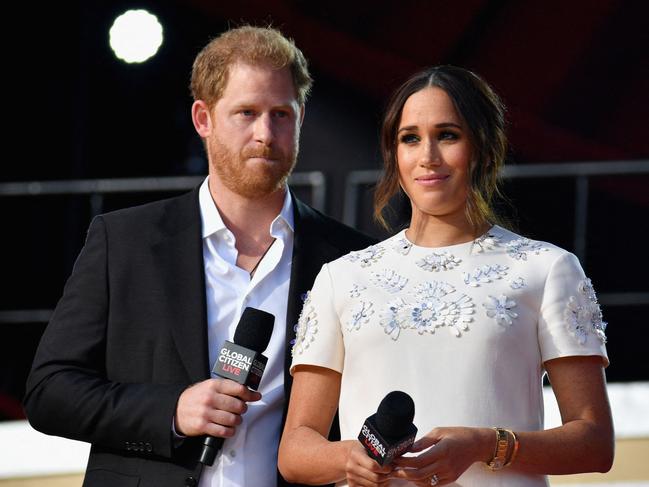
x=484 y=116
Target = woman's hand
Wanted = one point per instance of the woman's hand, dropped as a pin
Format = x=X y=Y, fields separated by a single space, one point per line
x=361 y=469
x=448 y=453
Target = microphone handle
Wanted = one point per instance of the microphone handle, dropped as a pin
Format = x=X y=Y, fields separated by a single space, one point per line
x=211 y=447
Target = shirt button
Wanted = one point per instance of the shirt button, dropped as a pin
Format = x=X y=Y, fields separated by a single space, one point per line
x=233 y=453
x=190 y=482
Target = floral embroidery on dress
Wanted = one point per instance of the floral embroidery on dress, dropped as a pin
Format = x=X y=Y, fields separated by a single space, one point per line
x=366 y=257
x=389 y=280
x=438 y=261
x=306 y=328
x=392 y=318
x=433 y=312
x=500 y=308
x=402 y=246
x=487 y=241
x=360 y=315
x=429 y=309
x=584 y=318
x=484 y=274
x=356 y=290
x=519 y=248
x=432 y=290
x=517 y=283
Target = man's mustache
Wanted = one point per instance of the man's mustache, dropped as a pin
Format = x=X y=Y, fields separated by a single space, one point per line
x=263 y=152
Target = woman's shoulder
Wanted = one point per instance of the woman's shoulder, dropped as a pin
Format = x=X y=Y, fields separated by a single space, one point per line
x=369 y=257
x=519 y=247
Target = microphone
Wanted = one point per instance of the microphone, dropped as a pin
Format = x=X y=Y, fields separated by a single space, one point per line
x=389 y=432
x=242 y=362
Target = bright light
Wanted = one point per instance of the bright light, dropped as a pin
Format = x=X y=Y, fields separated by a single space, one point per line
x=135 y=36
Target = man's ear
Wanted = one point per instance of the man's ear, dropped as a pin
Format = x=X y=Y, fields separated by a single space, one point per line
x=301 y=114
x=202 y=118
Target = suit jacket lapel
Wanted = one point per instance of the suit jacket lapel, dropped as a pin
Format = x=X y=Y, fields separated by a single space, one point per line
x=180 y=256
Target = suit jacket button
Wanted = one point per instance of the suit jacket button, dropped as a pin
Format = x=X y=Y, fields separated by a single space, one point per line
x=128 y=446
x=190 y=482
x=149 y=448
x=141 y=446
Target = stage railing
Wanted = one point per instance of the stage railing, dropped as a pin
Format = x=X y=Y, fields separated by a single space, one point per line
x=355 y=183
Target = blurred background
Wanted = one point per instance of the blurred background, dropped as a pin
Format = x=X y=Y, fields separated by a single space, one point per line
x=89 y=133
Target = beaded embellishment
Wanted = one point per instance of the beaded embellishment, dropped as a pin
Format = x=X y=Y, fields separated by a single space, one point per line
x=583 y=315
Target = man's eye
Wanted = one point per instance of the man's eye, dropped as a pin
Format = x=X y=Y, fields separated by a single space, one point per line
x=247 y=113
x=281 y=114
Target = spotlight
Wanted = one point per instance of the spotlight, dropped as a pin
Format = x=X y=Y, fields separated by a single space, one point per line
x=135 y=36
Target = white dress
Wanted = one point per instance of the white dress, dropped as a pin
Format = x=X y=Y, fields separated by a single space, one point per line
x=463 y=329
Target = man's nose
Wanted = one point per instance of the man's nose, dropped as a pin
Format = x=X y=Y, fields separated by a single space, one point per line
x=263 y=129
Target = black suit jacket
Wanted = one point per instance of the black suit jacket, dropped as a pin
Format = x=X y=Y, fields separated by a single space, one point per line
x=130 y=334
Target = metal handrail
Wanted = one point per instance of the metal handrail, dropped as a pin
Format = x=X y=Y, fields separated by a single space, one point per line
x=314 y=179
x=581 y=171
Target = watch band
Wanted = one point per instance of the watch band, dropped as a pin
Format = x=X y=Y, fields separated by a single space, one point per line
x=500 y=453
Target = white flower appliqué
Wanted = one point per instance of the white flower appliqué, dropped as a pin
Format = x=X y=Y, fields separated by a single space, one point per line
x=519 y=248
x=500 y=308
x=438 y=262
x=360 y=315
x=487 y=241
x=517 y=283
x=402 y=246
x=393 y=317
x=389 y=280
x=584 y=316
x=306 y=328
x=356 y=290
x=366 y=257
x=484 y=274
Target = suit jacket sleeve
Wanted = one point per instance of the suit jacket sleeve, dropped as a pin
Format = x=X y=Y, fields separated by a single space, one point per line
x=69 y=392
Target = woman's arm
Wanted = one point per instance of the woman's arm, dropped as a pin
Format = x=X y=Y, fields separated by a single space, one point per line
x=584 y=443
x=305 y=454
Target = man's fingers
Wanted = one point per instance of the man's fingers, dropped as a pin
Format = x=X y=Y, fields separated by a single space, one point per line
x=219 y=431
x=224 y=418
x=212 y=402
x=231 y=388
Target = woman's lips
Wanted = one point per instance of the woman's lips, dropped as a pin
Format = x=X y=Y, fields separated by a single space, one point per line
x=431 y=179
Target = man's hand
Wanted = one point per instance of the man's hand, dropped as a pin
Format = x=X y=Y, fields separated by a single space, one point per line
x=213 y=407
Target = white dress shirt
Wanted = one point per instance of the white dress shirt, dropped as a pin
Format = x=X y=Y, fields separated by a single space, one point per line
x=250 y=456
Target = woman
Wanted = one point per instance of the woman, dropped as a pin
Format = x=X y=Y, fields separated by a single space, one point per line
x=461 y=314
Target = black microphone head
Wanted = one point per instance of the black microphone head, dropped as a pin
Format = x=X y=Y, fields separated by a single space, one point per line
x=254 y=329
x=395 y=414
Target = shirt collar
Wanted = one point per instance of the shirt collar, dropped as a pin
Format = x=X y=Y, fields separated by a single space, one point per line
x=213 y=223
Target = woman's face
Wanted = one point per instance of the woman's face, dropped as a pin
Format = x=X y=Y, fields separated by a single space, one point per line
x=433 y=154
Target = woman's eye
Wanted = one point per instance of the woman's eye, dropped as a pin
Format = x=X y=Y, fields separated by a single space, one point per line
x=409 y=139
x=448 y=136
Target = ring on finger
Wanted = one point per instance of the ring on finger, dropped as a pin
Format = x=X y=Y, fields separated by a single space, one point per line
x=434 y=480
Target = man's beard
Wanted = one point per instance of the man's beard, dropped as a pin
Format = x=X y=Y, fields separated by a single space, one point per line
x=239 y=177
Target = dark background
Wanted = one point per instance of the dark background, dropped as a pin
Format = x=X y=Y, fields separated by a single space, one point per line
x=574 y=76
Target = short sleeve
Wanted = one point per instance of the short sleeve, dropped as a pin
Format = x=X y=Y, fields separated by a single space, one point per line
x=319 y=339
x=570 y=321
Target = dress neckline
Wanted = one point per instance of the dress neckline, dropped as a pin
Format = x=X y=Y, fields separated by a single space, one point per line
x=401 y=236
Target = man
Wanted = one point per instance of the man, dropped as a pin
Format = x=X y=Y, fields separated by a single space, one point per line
x=125 y=361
